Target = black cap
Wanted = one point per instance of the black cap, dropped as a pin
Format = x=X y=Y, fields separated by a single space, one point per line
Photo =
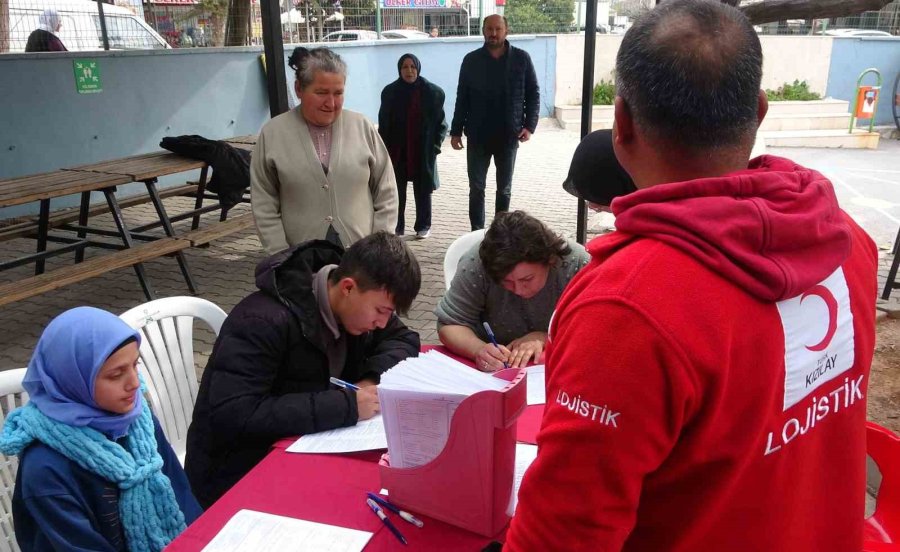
x=595 y=174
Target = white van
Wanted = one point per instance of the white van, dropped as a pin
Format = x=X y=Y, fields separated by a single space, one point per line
x=81 y=26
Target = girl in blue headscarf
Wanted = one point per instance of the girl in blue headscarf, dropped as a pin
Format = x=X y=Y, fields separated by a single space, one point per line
x=95 y=469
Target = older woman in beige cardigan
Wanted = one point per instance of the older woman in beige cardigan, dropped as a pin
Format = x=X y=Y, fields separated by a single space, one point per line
x=319 y=171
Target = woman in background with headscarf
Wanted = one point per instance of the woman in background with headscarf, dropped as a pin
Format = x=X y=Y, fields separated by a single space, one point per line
x=95 y=469
x=412 y=124
x=44 y=39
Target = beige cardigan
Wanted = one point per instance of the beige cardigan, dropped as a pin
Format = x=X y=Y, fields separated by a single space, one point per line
x=294 y=201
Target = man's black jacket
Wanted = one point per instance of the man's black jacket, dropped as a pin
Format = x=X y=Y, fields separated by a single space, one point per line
x=522 y=95
x=267 y=377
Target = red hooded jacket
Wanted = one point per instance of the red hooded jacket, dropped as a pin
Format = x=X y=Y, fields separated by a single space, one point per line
x=706 y=375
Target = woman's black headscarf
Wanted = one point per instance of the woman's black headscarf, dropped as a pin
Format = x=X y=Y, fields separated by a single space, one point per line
x=415 y=61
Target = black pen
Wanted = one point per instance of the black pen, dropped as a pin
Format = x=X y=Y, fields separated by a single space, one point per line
x=383 y=517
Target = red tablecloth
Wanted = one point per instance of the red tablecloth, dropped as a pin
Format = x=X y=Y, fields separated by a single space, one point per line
x=330 y=488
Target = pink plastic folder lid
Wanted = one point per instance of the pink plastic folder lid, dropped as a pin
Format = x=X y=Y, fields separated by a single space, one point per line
x=470 y=481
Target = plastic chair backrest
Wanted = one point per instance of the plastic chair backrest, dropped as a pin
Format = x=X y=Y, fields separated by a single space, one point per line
x=457 y=249
x=883 y=446
x=12 y=396
x=167 y=355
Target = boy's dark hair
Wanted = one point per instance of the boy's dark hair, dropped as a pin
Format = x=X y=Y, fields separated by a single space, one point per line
x=518 y=237
x=690 y=72
x=382 y=261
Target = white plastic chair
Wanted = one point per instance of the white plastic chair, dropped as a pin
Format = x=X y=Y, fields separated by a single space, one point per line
x=12 y=396
x=457 y=249
x=167 y=355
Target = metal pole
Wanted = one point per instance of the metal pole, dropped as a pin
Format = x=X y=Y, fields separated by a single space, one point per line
x=378 y=17
x=480 y=15
x=587 y=100
x=273 y=46
x=578 y=17
x=103 y=32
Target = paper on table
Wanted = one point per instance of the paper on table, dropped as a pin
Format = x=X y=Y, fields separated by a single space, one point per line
x=248 y=531
x=537 y=391
x=525 y=455
x=365 y=435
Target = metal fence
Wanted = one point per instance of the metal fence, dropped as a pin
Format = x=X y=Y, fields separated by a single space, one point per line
x=157 y=24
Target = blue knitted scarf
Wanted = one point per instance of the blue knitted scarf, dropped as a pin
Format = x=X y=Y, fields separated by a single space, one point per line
x=148 y=509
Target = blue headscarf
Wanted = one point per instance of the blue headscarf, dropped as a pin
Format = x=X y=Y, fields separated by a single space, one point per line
x=61 y=375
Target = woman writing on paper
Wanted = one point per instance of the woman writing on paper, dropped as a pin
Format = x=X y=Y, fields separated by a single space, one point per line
x=512 y=281
x=95 y=469
x=320 y=171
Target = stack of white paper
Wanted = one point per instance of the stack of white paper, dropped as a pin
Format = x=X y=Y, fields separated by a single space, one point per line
x=365 y=435
x=250 y=531
x=525 y=455
x=537 y=392
x=418 y=398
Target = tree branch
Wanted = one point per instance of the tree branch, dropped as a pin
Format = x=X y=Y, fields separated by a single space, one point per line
x=767 y=11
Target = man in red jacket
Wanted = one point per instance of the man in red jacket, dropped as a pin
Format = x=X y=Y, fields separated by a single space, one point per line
x=707 y=371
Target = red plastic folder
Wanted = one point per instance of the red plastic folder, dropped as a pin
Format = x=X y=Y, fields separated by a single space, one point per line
x=468 y=484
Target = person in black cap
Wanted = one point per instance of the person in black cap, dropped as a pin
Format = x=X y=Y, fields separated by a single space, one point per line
x=595 y=174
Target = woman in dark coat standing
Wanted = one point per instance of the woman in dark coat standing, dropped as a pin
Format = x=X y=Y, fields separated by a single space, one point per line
x=411 y=122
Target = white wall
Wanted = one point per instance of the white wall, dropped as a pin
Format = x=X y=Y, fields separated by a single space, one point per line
x=785 y=58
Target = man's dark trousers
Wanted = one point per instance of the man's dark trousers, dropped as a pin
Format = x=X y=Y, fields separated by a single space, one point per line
x=478 y=159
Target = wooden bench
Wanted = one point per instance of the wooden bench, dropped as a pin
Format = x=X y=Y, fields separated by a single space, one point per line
x=218 y=230
x=26 y=226
x=95 y=266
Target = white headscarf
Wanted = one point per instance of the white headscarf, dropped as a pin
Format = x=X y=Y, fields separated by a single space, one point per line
x=49 y=20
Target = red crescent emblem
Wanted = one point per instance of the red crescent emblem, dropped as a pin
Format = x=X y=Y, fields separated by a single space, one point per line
x=831 y=303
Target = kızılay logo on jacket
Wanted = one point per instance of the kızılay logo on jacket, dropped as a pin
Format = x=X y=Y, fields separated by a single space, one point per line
x=818 y=337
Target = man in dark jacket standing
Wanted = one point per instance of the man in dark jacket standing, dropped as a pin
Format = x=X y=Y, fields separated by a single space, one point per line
x=497 y=105
x=319 y=313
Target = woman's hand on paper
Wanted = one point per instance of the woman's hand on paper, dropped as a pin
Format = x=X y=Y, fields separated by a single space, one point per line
x=528 y=347
x=491 y=357
x=367 y=402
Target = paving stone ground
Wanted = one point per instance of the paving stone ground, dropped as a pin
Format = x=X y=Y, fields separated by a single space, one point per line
x=224 y=271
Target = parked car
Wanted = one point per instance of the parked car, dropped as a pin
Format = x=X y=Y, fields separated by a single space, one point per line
x=857 y=32
x=81 y=26
x=349 y=35
x=404 y=33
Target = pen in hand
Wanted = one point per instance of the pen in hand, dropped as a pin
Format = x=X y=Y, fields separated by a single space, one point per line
x=490 y=334
x=383 y=517
x=342 y=383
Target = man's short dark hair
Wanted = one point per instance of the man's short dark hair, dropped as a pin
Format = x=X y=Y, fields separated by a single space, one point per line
x=382 y=261
x=690 y=72
x=518 y=237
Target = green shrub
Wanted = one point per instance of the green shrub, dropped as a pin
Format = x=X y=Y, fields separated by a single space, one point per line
x=604 y=93
x=799 y=91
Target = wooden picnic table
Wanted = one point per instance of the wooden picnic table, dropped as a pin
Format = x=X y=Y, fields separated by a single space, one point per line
x=46 y=186
x=104 y=177
x=248 y=139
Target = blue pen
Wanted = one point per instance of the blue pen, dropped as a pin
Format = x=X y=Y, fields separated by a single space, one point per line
x=383 y=517
x=342 y=383
x=405 y=515
x=490 y=332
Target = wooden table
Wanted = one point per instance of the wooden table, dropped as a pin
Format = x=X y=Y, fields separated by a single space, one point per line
x=147 y=168
x=104 y=177
x=44 y=187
